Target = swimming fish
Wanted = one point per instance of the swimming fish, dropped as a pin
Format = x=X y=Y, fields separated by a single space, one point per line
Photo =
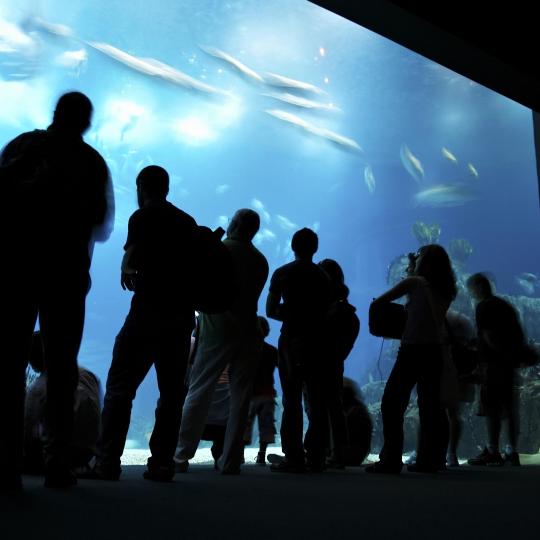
x=285 y=223
x=242 y=68
x=448 y=155
x=444 y=195
x=411 y=163
x=303 y=102
x=74 y=60
x=332 y=136
x=472 y=170
x=526 y=286
x=369 y=179
x=155 y=68
x=272 y=79
x=222 y=188
x=259 y=206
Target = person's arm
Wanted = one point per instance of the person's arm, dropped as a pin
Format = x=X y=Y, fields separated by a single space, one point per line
x=274 y=307
x=129 y=266
x=405 y=286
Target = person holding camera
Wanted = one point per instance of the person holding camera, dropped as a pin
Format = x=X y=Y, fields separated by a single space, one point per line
x=430 y=288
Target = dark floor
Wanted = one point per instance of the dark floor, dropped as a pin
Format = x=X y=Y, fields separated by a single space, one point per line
x=460 y=504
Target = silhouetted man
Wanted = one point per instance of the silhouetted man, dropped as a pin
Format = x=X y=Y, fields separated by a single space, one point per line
x=299 y=296
x=234 y=338
x=157 y=329
x=500 y=342
x=57 y=201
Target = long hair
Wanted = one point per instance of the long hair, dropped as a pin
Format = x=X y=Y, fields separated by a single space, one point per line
x=435 y=267
x=340 y=291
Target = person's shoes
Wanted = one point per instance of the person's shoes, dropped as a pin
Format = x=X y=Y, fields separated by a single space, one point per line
x=159 y=473
x=100 y=472
x=423 y=469
x=261 y=459
x=182 y=466
x=333 y=463
x=411 y=460
x=59 y=478
x=512 y=458
x=452 y=460
x=487 y=458
x=285 y=466
x=382 y=468
x=275 y=458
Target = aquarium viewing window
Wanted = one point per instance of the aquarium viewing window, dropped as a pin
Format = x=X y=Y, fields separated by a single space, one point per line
x=306 y=117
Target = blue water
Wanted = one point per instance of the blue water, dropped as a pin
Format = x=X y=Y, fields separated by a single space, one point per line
x=227 y=153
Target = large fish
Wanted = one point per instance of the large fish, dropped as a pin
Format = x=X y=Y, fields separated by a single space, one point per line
x=444 y=195
x=155 y=68
x=411 y=163
x=332 y=136
x=285 y=223
x=272 y=79
x=448 y=155
x=369 y=179
x=472 y=170
x=303 y=102
x=226 y=57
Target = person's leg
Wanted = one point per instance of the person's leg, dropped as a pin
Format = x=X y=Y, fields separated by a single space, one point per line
x=208 y=365
x=131 y=361
x=252 y=413
x=243 y=361
x=172 y=347
x=61 y=316
x=433 y=419
x=292 y=420
x=338 y=427
x=267 y=428
x=455 y=428
x=394 y=404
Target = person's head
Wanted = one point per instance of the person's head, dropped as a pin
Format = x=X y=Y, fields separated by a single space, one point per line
x=73 y=113
x=264 y=325
x=244 y=225
x=304 y=243
x=337 y=278
x=479 y=286
x=37 y=358
x=152 y=184
x=433 y=263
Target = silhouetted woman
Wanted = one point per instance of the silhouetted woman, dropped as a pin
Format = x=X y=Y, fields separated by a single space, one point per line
x=343 y=327
x=430 y=287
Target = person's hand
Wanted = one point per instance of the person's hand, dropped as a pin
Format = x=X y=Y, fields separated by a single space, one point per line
x=127 y=281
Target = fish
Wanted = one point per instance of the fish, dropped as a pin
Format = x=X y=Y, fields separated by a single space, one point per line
x=526 y=286
x=411 y=163
x=336 y=138
x=529 y=276
x=369 y=179
x=303 y=102
x=259 y=206
x=273 y=79
x=74 y=60
x=242 y=68
x=55 y=29
x=264 y=234
x=285 y=223
x=222 y=188
x=472 y=170
x=20 y=53
x=155 y=68
x=444 y=195
x=448 y=155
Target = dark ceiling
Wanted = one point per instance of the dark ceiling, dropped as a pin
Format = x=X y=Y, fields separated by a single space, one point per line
x=494 y=44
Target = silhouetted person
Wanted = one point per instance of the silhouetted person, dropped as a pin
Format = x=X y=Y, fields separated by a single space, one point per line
x=500 y=340
x=157 y=330
x=359 y=425
x=430 y=289
x=87 y=414
x=263 y=400
x=229 y=338
x=342 y=328
x=57 y=201
x=299 y=296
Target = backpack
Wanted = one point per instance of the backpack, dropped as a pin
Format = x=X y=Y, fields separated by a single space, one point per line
x=214 y=276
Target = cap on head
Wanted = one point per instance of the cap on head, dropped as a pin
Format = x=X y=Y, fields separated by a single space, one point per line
x=73 y=113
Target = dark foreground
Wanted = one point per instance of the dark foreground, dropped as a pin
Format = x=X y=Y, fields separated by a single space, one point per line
x=462 y=504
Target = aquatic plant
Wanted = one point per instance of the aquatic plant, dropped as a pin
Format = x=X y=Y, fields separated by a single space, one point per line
x=426 y=234
x=460 y=250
